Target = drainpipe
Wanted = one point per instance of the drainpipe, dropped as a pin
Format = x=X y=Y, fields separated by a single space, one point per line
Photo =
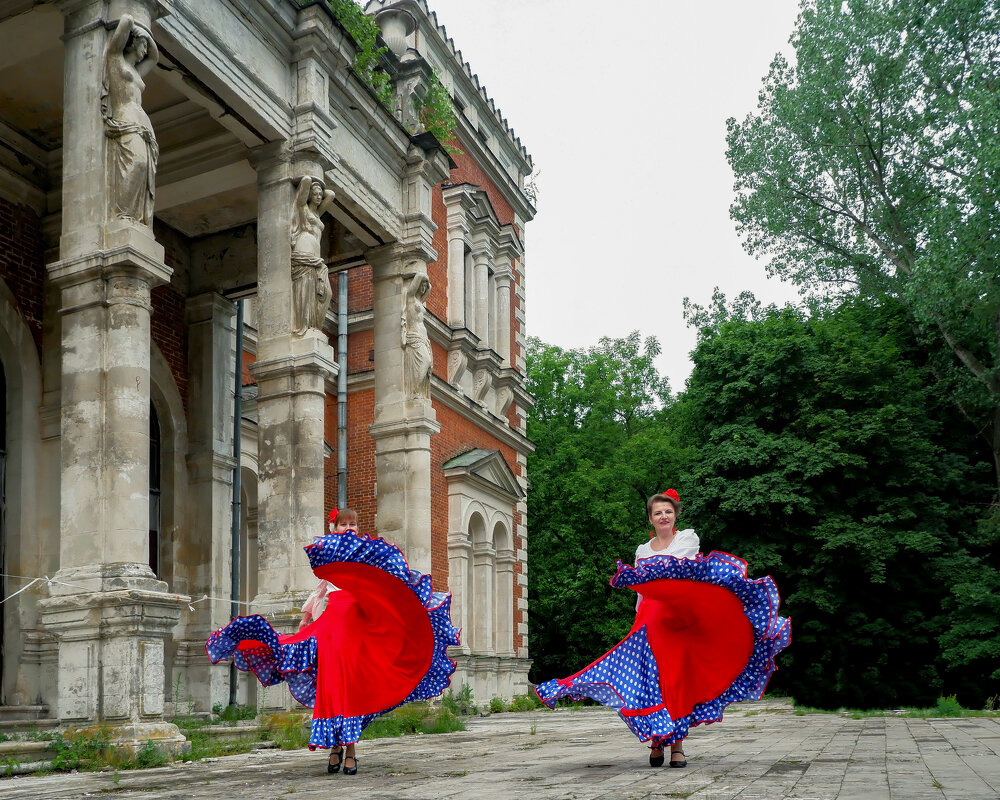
x=342 y=390
x=234 y=607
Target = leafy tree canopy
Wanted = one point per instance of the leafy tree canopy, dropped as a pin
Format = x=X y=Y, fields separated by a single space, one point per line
x=827 y=457
x=872 y=166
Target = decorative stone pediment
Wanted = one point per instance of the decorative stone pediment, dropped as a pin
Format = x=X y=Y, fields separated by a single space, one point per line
x=487 y=471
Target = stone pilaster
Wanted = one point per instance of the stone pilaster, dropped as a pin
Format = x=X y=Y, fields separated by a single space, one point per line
x=482 y=265
x=206 y=540
x=292 y=372
x=459 y=553
x=504 y=603
x=502 y=331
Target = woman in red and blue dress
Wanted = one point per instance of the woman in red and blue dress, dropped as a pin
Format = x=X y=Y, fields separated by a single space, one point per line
x=704 y=636
x=380 y=642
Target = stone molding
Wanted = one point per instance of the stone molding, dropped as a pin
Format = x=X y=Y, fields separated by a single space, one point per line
x=124 y=261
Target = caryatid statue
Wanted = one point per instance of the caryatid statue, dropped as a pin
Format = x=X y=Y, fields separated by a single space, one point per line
x=418 y=359
x=132 y=150
x=311 y=291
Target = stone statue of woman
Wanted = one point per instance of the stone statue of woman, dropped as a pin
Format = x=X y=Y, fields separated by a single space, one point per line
x=417 y=357
x=132 y=150
x=311 y=291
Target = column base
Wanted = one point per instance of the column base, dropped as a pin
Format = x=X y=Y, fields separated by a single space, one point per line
x=111 y=662
x=491 y=676
x=164 y=736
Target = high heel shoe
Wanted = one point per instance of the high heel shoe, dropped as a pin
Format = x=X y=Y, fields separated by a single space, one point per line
x=331 y=768
x=655 y=760
x=350 y=770
x=682 y=763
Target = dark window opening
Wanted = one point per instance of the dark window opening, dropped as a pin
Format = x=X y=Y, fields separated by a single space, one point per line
x=154 y=491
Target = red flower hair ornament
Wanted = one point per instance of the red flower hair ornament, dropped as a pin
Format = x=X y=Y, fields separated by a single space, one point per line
x=333 y=516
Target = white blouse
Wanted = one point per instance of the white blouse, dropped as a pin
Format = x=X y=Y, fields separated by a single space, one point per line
x=315 y=604
x=685 y=544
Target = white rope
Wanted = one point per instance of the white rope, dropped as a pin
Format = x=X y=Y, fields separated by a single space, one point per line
x=50 y=581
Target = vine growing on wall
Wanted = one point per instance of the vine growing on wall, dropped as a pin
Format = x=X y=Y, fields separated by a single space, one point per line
x=437 y=114
x=364 y=31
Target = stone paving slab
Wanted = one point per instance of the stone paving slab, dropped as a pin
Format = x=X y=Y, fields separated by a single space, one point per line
x=761 y=751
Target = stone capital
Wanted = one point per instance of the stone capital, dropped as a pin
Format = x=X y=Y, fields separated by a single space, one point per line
x=273 y=162
x=396 y=260
x=210 y=307
x=405 y=433
x=124 y=260
x=289 y=358
x=459 y=545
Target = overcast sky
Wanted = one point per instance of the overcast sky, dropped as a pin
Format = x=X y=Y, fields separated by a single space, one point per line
x=622 y=107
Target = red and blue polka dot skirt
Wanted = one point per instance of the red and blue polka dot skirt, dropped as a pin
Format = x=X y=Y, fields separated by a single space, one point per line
x=381 y=642
x=704 y=636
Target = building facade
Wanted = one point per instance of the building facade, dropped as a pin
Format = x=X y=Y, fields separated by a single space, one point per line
x=235 y=284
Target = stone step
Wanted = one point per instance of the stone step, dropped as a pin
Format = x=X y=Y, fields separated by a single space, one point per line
x=26 y=751
x=28 y=724
x=23 y=712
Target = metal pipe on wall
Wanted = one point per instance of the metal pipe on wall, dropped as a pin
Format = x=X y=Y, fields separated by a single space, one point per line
x=342 y=389
x=234 y=607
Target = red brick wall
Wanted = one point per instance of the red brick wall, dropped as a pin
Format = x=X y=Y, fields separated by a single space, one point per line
x=468 y=171
x=169 y=330
x=360 y=291
x=22 y=263
x=361 y=458
x=330 y=464
x=360 y=346
x=437 y=271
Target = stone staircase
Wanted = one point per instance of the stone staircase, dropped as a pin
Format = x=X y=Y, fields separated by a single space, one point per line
x=16 y=718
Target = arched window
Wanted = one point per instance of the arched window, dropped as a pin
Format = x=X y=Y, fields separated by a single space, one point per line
x=155 y=474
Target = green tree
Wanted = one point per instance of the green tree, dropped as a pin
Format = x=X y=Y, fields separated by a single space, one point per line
x=603 y=444
x=828 y=458
x=871 y=167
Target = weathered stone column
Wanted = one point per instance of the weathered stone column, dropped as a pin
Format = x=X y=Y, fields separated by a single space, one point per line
x=206 y=543
x=109 y=612
x=483 y=559
x=502 y=327
x=292 y=371
x=403 y=423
